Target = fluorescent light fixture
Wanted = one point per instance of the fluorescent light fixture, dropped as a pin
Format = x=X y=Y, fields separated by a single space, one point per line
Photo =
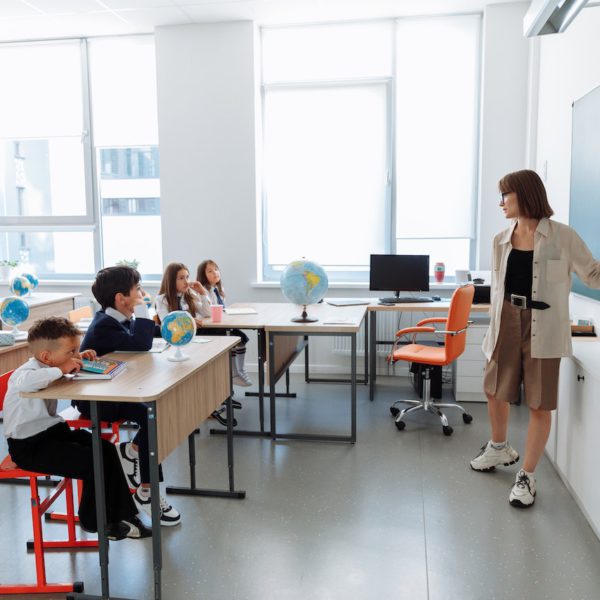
x=550 y=16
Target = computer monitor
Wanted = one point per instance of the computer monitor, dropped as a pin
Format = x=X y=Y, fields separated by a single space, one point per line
x=399 y=273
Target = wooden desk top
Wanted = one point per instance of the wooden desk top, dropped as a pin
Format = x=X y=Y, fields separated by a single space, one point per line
x=424 y=307
x=148 y=376
x=277 y=316
x=14 y=347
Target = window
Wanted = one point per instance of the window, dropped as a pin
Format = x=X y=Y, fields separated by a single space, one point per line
x=48 y=187
x=366 y=126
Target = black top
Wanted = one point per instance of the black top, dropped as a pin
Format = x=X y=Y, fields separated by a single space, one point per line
x=519 y=273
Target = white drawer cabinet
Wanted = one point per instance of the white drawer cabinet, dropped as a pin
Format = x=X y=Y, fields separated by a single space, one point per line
x=467 y=374
x=576 y=444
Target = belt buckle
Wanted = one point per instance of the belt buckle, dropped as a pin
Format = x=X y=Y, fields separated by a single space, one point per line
x=519 y=301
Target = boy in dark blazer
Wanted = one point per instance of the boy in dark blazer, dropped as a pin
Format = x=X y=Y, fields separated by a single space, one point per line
x=124 y=323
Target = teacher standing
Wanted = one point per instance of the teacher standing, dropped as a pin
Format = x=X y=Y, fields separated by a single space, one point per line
x=529 y=331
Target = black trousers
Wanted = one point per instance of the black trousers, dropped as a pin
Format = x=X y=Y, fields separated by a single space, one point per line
x=62 y=451
x=137 y=412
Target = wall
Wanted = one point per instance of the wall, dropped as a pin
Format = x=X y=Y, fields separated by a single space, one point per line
x=503 y=130
x=569 y=68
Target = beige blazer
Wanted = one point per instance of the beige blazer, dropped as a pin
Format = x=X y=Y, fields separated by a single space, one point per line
x=557 y=252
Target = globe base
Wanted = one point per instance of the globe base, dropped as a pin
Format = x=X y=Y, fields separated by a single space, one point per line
x=179 y=356
x=304 y=318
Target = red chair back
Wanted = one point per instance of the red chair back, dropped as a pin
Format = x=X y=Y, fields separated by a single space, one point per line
x=458 y=317
x=4 y=386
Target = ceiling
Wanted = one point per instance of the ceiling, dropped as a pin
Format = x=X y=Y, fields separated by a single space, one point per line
x=45 y=19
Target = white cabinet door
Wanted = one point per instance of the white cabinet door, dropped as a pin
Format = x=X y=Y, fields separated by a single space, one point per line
x=577 y=440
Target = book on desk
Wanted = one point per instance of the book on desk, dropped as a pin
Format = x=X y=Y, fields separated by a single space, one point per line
x=101 y=368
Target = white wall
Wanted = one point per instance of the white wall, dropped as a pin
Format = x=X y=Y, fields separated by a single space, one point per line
x=569 y=68
x=504 y=114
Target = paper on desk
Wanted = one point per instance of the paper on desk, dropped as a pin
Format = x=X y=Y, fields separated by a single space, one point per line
x=241 y=311
x=336 y=321
x=200 y=340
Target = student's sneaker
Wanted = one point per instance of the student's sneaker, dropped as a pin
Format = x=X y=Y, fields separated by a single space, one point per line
x=236 y=404
x=131 y=465
x=221 y=418
x=242 y=380
x=522 y=493
x=168 y=515
x=489 y=457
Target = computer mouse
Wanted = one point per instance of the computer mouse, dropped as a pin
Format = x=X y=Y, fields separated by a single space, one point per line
x=436 y=298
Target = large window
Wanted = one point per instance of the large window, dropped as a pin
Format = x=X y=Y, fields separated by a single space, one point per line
x=76 y=184
x=370 y=142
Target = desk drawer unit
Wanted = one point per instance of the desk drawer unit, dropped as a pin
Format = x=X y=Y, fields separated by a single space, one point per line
x=468 y=368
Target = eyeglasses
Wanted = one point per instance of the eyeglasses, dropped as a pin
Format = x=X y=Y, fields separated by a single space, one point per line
x=503 y=197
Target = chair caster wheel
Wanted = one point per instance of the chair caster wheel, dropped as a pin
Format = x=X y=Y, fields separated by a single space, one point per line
x=29 y=545
x=395 y=411
x=447 y=429
x=78 y=587
x=467 y=418
x=400 y=425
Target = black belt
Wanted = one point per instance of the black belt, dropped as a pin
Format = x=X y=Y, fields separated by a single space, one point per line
x=524 y=303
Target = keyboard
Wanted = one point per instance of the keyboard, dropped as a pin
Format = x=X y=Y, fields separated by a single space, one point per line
x=405 y=299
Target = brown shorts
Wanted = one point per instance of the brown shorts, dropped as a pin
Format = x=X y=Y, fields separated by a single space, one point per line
x=511 y=364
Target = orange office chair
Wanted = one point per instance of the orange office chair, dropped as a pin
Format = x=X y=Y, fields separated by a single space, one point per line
x=455 y=332
x=8 y=470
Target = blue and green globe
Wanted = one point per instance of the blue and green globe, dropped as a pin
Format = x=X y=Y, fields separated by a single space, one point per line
x=20 y=286
x=13 y=311
x=178 y=328
x=304 y=282
x=33 y=280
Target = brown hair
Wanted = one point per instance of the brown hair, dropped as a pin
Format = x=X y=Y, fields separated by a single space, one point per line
x=111 y=281
x=531 y=193
x=201 y=276
x=50 y=330
x=168 y=287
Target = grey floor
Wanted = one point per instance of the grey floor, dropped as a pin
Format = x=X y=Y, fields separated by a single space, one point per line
x=399 y=515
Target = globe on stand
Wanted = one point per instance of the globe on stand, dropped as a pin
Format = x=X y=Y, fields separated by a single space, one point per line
x=13 y=312
x=147 y=300
x=178 y=328
x=304 y=282
x=20 y=286
x=33 y=280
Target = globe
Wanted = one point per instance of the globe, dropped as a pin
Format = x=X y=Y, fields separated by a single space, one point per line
x=178 y=329
x=304 y=282
x=20 y=286
x=33 y=280
x=14 y=311
x=147 y=300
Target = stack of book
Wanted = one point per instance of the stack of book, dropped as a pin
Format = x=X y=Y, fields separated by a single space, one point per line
x=102 y=368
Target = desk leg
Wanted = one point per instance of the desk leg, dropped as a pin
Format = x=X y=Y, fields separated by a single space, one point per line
x=100 y=511
x=353 y=386
x=366 y=338
x=373 y=355
x=272 y=407
x=193 y=490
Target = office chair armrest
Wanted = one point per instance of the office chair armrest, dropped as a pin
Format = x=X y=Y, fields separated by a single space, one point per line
x=407 y=330
x=431 y=320
x=457 y=332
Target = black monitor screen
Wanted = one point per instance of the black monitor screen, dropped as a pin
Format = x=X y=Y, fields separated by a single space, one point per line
x=399 y=272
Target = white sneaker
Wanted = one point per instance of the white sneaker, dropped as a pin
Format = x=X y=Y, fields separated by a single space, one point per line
x=131 y=466
x=489 y=458
x=168 y=515
x=242 y=381
x=522 y=493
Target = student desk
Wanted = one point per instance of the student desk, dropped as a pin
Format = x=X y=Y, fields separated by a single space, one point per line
x=285 y=340
x=426 y=307
x=179 y=396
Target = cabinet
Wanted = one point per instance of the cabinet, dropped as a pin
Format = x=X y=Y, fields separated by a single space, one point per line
x=574 y=443
x=467 y=372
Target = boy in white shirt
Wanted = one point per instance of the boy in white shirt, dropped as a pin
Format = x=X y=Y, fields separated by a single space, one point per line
x=39 y=440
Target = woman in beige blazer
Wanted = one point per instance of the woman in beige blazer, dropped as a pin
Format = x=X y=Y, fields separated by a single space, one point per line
x=529 y=331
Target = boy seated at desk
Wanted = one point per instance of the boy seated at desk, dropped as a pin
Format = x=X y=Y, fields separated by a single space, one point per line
x=39 y=440
x=118 y=291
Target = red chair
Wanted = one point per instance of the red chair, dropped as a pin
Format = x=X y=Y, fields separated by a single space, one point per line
x=8 y=470
x=455 y=332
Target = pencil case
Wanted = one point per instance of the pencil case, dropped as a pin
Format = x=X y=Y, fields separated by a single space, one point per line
x=6 y=339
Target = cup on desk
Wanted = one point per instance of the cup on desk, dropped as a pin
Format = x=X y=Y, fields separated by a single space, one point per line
x=216 y=313
x=462 y=276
